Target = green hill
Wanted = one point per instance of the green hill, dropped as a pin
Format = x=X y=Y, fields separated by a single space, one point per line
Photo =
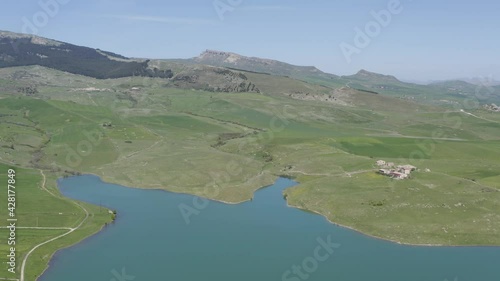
x=184 y=125
x=265 y=66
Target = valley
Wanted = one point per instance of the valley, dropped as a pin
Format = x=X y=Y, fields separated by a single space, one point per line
x=223 y=133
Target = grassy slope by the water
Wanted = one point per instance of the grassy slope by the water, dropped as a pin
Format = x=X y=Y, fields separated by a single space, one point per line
x=225 y=146
x=36 y=207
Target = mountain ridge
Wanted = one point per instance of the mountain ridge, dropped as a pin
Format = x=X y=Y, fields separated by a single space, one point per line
x=18 y=49
x=232 y=57
x=261 y=65
x=368 y=75
x=116 y=65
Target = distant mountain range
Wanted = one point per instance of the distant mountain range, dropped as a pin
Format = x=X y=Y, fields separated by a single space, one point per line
x=486 y=81
x=23 y=50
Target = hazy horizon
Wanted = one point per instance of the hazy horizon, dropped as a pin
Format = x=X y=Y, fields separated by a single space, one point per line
x=418 y=41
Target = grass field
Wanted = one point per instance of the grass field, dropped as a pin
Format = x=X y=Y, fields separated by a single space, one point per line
x=38 y=211
x=198 y=142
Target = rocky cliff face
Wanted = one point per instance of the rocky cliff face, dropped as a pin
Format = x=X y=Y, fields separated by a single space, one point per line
x=214 y=79
x=231 y=58
x=492 y=107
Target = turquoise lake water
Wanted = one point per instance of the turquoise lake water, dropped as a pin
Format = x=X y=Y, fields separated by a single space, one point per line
x=259 y=240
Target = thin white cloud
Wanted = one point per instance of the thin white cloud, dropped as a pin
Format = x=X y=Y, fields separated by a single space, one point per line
x=167 y=20
x=267 y=8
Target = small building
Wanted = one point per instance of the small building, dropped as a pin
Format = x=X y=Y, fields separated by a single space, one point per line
x=408 y=167
x=384 y=172
x=398 y=175
x=406 y=172
x=381 y=163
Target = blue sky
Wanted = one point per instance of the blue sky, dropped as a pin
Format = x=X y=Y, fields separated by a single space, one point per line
x=425 y=40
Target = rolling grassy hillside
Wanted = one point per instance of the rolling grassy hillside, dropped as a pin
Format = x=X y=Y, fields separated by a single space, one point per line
x=187 y=134
x=242 y=141
x=259 y=65
x=43 y=214
x=447 y=93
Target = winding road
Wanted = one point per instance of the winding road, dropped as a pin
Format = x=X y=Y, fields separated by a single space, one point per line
x=23 y=266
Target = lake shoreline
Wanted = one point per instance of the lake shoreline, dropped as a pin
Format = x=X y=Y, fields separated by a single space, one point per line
x=299 y=208
x=51 y=258
x=280 y=185
x=303 y=209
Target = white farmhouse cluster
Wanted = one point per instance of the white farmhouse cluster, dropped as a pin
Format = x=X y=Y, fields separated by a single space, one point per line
x=396 y=172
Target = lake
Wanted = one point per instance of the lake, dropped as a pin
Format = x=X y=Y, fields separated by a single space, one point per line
x=259 y=240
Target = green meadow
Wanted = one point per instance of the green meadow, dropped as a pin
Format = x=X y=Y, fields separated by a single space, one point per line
x=38 y=212
x=224 y=146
